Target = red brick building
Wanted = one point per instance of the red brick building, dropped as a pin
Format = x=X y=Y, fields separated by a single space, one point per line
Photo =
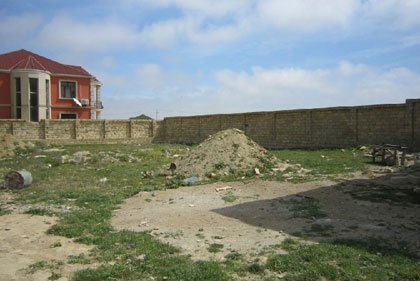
x=33 y=88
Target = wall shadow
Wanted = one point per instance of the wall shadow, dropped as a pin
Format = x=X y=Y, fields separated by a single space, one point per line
x=385 y=209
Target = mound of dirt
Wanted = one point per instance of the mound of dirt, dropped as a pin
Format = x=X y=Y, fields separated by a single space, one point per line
x=225 y=153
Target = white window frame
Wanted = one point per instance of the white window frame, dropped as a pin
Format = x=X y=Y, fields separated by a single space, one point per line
x=76 y=87
x=61 y=113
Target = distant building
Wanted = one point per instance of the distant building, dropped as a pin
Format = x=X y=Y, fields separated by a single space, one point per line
x=33 y=88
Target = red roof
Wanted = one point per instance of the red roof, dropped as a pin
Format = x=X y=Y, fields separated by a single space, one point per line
x=23 y=59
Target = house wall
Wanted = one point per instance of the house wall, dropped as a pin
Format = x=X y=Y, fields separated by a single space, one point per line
x=25 y=76
x=5 y=102
x=67 y=105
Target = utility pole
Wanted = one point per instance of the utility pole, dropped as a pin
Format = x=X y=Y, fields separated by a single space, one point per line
x=156 y=114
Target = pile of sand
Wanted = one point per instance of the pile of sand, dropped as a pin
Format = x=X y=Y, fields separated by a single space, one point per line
x=225 y=153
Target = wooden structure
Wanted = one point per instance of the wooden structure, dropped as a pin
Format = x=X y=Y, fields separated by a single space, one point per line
x=389 y=154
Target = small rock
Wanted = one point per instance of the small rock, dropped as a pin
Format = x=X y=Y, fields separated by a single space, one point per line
x=141 y=257
x=103 y=180
x=257 y=171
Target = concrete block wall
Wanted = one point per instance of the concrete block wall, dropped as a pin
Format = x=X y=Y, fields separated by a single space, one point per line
x=384 y=124
x=307 y=128
x=59 y=129
x=415 y=123
x=80 y=131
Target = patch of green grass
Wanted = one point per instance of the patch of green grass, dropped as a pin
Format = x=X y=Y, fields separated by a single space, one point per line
x=220 y=165
x=229 y=197
x=56 y=244
x=42 y=265
x=304 y=207
x=255 y=268
x=39 y=265
x=39 y=212
x=4 y=211
x=80 y=259
x=54 y=276
x=167 y=268
x=174 y=183
x=215 y=247
x=339 y=262
x=325 y=161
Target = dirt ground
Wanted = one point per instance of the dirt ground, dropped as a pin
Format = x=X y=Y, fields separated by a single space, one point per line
x=23 y=242
x=262 y=215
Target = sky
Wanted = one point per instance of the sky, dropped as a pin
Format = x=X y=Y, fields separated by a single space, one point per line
x=189 y=57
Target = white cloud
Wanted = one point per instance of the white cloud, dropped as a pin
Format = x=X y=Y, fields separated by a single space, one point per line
x=307 y=15
x=394 y=13
x=204 y=8
x=210 y=23
x=348 y=84
x=19 y=28
x=150 y=77
x=71 y=34
x=272 y=89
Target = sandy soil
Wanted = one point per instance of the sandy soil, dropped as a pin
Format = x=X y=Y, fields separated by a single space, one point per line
x=194 y=217
x=23 y=242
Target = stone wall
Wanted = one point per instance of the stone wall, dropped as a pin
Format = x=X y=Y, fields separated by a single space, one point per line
x=307 y=128
x=80 y=131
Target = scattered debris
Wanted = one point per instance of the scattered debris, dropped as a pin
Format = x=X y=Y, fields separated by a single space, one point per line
x=103 y=180
x=223 y=188
x=78 y=157
x=191 y=180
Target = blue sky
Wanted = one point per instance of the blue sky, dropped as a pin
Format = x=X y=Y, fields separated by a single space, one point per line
x=187 y=57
